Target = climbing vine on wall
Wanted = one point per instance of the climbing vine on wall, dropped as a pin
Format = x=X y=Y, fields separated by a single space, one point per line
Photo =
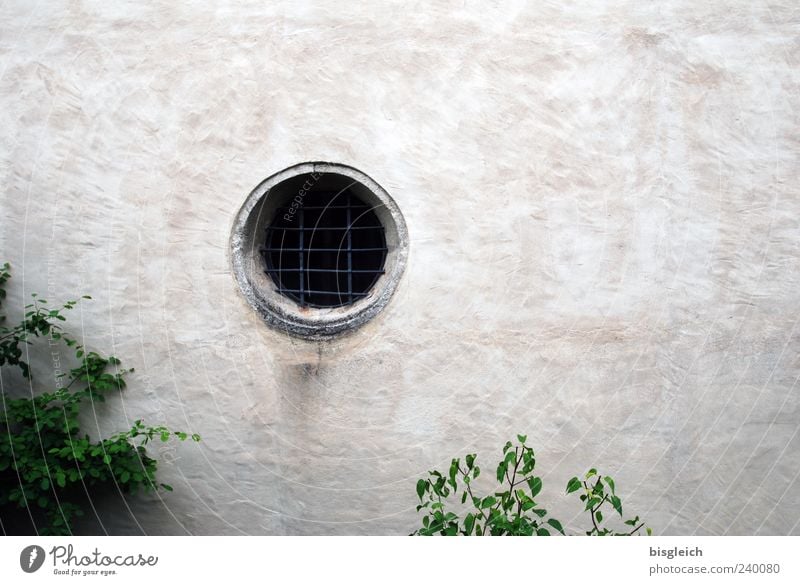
x=49 y=469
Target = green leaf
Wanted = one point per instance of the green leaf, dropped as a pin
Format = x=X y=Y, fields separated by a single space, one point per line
x=488 y=502
x=617 y=503
x=469 y=523
x=591 y=472
x=452 y=474
x=529 y=461
x=556 y=524
x=573 y=485
x=61 y=479
x=599 y=516
x=166 y=487
x=610 y=483
x=45 y=485
x=591 y=503
x=501 y=471
x=470 y=461
x=421 y=486
x=125 y=476
x=522 y=438
x=107 y=459
x=542 y=532
x=535 y=483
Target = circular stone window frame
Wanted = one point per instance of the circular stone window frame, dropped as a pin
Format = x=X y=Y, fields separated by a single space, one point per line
x=283 y=313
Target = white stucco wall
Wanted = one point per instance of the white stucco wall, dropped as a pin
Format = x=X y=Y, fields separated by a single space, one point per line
x=602 y=203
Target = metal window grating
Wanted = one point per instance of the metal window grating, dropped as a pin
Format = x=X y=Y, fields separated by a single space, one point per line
x=328 y=253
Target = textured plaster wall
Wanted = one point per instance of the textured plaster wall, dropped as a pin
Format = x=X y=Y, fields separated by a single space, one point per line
x=602 y=202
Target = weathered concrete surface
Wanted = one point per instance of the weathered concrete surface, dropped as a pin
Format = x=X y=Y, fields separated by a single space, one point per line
x=602 y=202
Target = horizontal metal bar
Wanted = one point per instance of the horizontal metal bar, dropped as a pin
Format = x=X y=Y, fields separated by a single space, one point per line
x=263 y=249
x=329 y=193
x=321 y=292
x=341 y=271
x=320 y=228
x=318 y=207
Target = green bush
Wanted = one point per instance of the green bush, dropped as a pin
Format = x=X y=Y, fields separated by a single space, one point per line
x=512 y=510
x=48 y=469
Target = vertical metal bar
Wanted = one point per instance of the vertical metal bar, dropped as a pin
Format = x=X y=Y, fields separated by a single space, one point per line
x=301 y=252
x=349 y=253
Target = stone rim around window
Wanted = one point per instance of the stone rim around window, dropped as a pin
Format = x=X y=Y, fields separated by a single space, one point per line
x=258 y=212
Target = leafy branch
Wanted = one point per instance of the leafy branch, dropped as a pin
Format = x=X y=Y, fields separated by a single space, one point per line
x=512 y=509
x=596 y=493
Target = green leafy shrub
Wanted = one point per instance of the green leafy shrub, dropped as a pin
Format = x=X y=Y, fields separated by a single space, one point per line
x=48 y=469
x=512 y=509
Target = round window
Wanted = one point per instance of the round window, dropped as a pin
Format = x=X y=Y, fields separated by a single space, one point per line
x=318 y=249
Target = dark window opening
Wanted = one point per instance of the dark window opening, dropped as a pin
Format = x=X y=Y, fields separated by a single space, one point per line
x=327 y=251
